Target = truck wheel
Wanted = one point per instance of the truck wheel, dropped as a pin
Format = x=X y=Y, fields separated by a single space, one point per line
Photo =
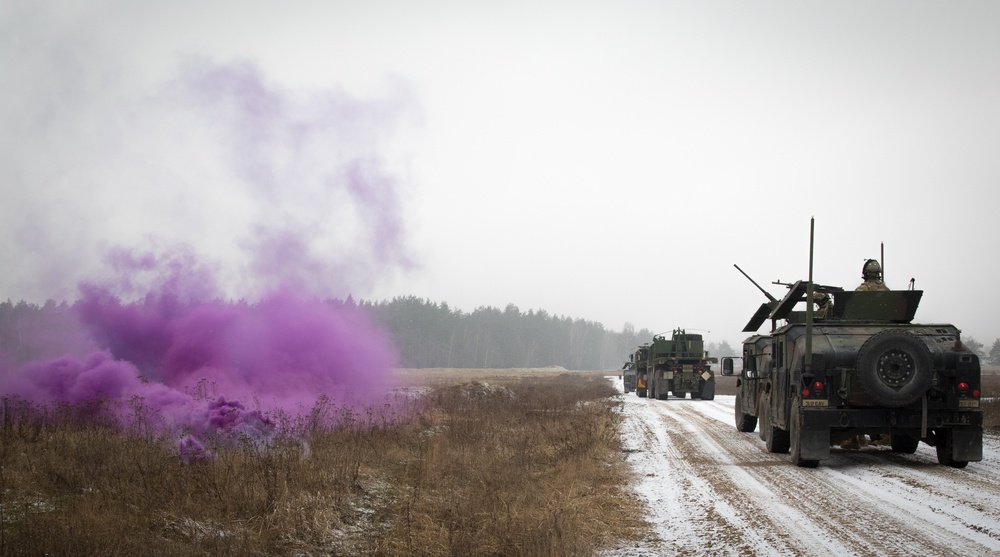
x=708 y=391
x=744 y=422
x=795 y=438
x=944 y=450
x=902 y=443
x=895 y=368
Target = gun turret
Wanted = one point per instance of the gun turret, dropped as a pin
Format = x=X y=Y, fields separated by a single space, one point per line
x=770 y=298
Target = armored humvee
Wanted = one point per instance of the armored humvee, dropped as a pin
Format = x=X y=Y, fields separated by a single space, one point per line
x=679 y=365
x=861 y=369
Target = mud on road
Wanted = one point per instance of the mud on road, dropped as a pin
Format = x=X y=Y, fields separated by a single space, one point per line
x=712 y=490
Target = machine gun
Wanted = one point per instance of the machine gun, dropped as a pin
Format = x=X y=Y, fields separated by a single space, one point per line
x=764 y=310
x=770 y=298
x=775 y=309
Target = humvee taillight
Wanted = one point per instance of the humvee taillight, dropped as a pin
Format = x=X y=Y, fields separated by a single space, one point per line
x=816 y=386
x=965 y=389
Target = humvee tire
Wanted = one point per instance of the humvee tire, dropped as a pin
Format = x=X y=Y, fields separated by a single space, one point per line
x=744 y=422
x=895 y=368
x=944 y=450
x=902 y=443
x=795 y=437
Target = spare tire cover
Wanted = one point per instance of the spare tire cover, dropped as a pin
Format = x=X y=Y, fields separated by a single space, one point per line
x=895 y=367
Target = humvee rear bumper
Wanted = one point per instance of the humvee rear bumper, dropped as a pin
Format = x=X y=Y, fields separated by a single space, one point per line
x=820 y=424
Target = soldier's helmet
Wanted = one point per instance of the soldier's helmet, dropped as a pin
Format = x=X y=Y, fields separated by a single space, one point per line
x=872 y=270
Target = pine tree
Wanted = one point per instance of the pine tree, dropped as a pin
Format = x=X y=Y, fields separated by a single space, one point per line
x=994 y=355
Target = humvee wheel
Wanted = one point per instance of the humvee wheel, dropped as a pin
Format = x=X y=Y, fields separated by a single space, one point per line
x=762 y=415
x=895 y=367
x=795 y=436
x=775 y=439
x=944 y=450
x=744 y=422
x=902 y=443
x=778 y=440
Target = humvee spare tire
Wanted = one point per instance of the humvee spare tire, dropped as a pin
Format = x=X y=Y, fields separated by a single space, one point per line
x=895 y=367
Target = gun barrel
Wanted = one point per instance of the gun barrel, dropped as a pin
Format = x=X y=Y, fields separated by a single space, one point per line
x=770 y=298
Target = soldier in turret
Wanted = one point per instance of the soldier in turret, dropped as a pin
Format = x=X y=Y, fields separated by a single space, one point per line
x=823 y=303
x=872 y=273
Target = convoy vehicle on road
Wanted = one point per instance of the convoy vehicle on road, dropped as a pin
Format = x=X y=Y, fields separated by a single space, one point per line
x=640 y=359
x=628 y=377
x=862 y=371
x=679 y=365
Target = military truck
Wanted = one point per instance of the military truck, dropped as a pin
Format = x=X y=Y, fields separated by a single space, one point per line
x=640 y=359
x=861 y=369
x=628 y=376
x=679 y=365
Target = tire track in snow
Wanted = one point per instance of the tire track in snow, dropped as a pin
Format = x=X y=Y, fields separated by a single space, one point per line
x=692 y=505
x=779 y=526
x=868 y=514
x=713 y=490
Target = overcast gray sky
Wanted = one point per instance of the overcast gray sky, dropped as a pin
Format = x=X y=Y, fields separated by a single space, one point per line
x=603 y=160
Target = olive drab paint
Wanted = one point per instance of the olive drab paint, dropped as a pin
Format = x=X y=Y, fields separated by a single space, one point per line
x=676 y=366
x=860 y=372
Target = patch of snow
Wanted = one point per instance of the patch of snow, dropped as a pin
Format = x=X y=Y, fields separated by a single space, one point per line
x=712 y=490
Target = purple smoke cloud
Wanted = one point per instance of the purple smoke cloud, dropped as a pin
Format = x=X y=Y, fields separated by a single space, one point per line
x=284 y=347
x=196 y=366
x=331 y=205
x=322 y=218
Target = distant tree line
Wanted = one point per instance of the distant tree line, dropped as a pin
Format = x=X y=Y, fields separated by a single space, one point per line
x=431 y=334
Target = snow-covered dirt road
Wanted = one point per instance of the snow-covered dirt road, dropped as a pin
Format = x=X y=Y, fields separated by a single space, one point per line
x=712 y=490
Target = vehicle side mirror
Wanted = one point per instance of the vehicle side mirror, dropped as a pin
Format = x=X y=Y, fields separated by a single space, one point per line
x=727 y=366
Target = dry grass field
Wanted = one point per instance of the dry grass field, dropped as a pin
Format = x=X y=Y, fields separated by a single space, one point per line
x=479 y=463
x=991 y=397
x=457 y=462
